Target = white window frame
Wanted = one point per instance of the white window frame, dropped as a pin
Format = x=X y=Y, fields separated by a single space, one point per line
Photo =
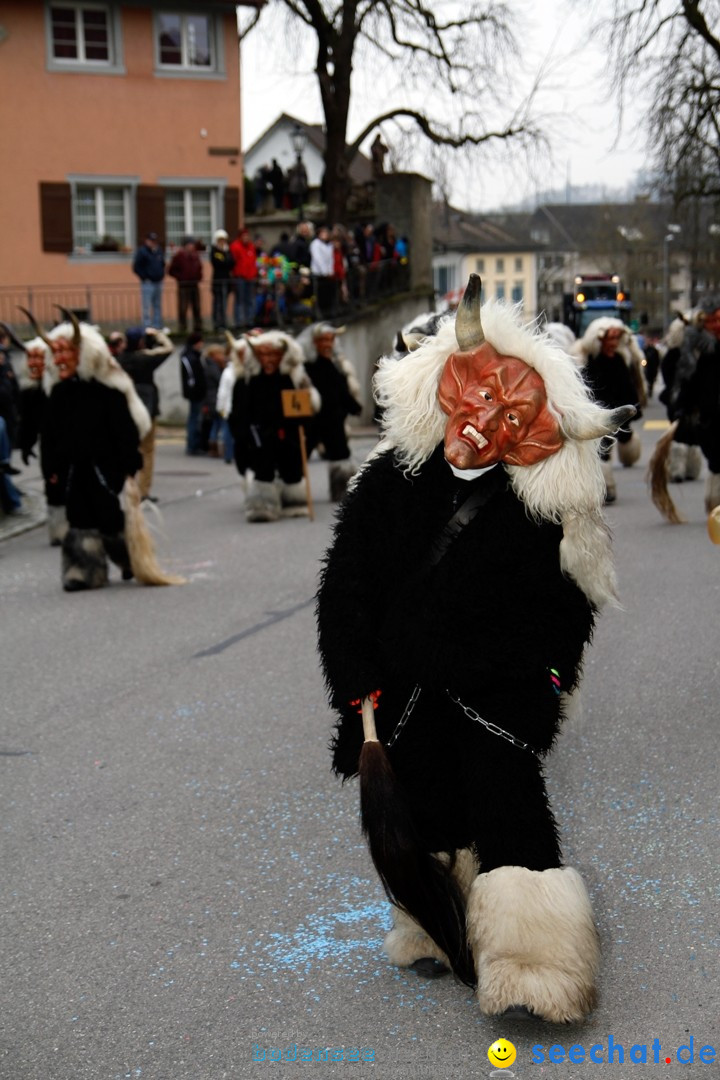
x=216 y=186
x=112 y=66
x=216 y=68
x=500 y=265
x=100 y=183
x=518 y=264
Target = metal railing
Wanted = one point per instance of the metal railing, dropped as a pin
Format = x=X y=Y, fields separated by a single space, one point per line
x=284 y=304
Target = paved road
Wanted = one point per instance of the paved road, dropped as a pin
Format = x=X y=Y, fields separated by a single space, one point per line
x=183 y=881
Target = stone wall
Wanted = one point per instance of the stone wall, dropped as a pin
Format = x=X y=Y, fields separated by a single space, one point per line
x=369 y=336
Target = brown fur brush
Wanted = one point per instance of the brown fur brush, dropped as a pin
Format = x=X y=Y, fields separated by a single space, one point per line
x=657 y=477
x=414 y=879
x=143 y=561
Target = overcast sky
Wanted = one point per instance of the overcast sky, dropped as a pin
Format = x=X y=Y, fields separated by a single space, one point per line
x=580 y=117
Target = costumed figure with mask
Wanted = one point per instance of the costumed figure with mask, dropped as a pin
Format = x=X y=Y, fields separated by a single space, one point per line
x=469 y=561
x=685 y=461
x=611 y=363
x=36 y=379
x=90 y=451
x=335 y=379
x=694 y=408
x=267 y=442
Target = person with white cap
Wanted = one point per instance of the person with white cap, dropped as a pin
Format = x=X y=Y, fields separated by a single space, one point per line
x=222 y=262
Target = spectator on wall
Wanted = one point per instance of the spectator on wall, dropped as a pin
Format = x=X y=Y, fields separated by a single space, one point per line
x=186 y=268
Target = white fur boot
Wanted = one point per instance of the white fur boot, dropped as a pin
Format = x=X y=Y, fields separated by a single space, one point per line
x=294 y=499
x=57 y=525
x=677 y=462
x=693 y=467
x=610 y=489
x=534 y=942
x=84 y=562
x=407 y=942
x=340 y=474
x=262 y=502
x=629 y=452
x=712 y=491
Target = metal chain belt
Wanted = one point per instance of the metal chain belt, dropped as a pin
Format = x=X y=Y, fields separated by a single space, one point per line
x=405 y=716
x=492 y=728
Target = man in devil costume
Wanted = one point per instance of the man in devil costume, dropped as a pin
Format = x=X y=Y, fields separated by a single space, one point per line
x=90 y=450
x=267 y=442
x=468 y=564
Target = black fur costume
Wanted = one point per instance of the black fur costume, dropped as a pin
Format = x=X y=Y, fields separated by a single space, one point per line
x=266 y=441
x=446 y=627
x=89 y=446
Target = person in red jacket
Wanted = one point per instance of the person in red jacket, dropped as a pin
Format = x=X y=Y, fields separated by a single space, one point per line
x=186 y=268
x=244 y=277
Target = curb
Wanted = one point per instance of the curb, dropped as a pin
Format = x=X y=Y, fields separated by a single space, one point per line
x=33 y=514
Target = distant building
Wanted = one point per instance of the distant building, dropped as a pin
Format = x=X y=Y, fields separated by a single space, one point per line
x=495 y=246
x=276 y=142
x=535 y=257
x=119 y=119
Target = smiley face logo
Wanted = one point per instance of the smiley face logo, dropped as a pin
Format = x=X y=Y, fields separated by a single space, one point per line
x=502 y=1053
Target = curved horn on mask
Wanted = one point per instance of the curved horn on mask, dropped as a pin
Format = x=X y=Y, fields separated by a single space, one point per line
x=34 y=323
x=13 y=337
x=71 y=318
x=603 y=422
x=231 y=341
x=468 y=325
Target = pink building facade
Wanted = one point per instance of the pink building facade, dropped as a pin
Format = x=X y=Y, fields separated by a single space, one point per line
x=117 y=119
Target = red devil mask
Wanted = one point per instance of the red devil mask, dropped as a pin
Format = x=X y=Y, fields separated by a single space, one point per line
x=497 y=411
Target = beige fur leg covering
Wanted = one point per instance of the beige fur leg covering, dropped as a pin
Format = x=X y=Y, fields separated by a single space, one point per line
x=712 y=491
x=57 y=525
x=677 y=462
x=693 y=466
x=262 y=502
x=294 y=499
x=534 y=942
x=84 y=562
x=407 y=941
x=608 y=477
x=340 y=473
x=629 y=452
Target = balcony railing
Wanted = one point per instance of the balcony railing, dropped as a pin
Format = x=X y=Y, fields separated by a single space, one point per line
x=280 y=304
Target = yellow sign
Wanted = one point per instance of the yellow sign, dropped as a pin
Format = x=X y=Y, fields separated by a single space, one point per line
x=296 y=403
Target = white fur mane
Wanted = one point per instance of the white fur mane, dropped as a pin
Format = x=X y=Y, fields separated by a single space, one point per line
x=566 y=488
x=97 y=362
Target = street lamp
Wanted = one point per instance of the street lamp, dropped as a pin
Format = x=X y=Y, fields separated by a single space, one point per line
x=672 y=231
x=298 y=179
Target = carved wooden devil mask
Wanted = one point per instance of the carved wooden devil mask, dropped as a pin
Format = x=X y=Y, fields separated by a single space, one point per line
x=496 y=405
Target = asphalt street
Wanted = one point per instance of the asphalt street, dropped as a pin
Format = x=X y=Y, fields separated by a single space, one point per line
x=184 y=884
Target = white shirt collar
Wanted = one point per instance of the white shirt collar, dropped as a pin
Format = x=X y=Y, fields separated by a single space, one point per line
x=470 y=474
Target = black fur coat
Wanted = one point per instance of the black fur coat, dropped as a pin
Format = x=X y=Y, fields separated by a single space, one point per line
x=89 y=446
x=487 y=622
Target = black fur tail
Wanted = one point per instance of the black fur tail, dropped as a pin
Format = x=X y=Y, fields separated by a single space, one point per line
x=413 y=879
